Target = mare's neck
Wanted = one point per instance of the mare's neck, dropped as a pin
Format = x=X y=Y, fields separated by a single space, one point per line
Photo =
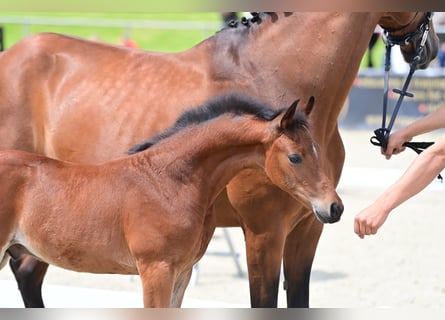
x=203 y=159
x=299 y=55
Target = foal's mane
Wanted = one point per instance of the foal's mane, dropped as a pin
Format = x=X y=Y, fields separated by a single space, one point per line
x=234 y=104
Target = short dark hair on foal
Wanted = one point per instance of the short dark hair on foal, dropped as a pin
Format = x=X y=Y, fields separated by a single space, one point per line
x=233 y=103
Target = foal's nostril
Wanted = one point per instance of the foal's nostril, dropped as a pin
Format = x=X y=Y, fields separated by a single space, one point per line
x=336 y=211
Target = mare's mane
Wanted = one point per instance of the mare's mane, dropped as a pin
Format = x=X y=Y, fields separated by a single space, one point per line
x=234 y=104
x=256 y=19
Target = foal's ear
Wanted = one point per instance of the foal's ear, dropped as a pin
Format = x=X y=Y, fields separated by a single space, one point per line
x=309 y=106
x=289 y=115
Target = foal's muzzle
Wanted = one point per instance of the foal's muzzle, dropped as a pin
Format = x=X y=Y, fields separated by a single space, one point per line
x=331 y=216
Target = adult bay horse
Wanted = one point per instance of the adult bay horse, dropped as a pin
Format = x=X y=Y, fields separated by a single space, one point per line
x=119 y=217
x=82 y=101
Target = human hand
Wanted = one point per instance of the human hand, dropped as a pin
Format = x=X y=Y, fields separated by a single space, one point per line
x=395 y=144
x=369 y=220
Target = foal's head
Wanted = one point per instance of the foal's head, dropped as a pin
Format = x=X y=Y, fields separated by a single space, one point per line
x=293 y=163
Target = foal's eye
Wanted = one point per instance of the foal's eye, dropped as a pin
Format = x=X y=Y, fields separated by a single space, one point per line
x=295 y=158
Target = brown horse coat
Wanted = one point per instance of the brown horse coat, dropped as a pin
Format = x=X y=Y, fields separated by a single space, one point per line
x=151 y=213
x=86 y=102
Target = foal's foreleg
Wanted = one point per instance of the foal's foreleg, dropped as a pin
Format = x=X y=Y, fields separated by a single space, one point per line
x=179 y=290
x=29 y=274
x=157 y=283
x=299 y=253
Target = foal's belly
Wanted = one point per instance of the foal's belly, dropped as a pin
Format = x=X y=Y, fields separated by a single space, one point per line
x=79 y=256
x=77 y=261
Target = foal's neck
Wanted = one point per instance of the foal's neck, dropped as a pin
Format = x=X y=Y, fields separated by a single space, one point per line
x=206 y=157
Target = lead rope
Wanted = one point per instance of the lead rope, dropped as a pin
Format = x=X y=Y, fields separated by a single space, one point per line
x=382 y=134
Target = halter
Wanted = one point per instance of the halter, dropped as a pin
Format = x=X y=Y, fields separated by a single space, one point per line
x=422 y=28
x=382 y=134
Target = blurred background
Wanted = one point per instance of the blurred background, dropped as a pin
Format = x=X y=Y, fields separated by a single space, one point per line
x=167 y=32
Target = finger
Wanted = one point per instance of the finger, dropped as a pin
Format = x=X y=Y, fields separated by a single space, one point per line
x=367 y=231
x=357 y=228
x=398 y=150
x=388 y=153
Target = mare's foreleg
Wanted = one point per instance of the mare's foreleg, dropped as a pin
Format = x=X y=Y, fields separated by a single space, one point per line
x=299 y=253
x=264 y=254
x=29 y=274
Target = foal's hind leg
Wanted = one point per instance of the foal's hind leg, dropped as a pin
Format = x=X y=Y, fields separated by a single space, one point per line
x=298 y=256
x=29 y=273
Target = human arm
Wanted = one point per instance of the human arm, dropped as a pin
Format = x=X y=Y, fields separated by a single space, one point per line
x=418 y=175
x=431 y=122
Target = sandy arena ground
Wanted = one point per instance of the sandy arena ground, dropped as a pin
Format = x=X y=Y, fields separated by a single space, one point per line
x=402 y=266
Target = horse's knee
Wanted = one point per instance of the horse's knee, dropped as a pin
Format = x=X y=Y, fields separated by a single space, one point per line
x=27 y=267
x=29 y=274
